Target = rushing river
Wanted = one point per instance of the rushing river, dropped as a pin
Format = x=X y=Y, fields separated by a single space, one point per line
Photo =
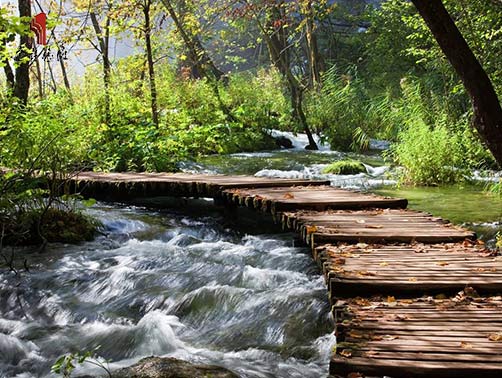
x=197 y=282
x=165 y=283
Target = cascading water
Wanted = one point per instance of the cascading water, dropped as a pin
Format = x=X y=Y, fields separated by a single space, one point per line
x=168 y=284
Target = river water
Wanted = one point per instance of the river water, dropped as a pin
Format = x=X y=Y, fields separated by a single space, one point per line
x=195 y=281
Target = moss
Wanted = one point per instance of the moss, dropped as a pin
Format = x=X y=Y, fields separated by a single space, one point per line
x=56 y=225
x=345 y=167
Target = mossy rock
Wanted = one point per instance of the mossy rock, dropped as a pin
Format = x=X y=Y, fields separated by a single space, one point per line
x=345 y=167
x=56 y=225
x=157 y=367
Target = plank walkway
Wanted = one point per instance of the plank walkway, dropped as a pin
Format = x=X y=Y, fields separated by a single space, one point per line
x=426 y=337
x=367 y=245
x=319 y=198
x=133 y=185
x=409 y=269
x=372 y=226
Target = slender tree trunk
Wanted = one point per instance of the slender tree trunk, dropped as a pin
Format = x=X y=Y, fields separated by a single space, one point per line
x=198 y=54
x=39 y=78
x=276 y=41
x=9 y=74
x=486 y=105
x=22 y=81
x=149 y=56
x=103 y=41
x=63 y=67
x=315 y=61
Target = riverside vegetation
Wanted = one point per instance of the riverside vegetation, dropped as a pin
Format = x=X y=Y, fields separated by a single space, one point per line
x=144 y=112
x=349 y=72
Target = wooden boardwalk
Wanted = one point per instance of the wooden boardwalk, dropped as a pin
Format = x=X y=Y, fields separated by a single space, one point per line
x=367 y=245
x=423 y=337
x=319 y=198
x=409 y=269
x=372 y=226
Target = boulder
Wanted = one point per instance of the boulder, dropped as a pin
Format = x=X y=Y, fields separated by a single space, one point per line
x=157 y=367
x=283 y=142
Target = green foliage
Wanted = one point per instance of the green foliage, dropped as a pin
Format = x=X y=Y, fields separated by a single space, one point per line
x=66 y=364
x=345 y=167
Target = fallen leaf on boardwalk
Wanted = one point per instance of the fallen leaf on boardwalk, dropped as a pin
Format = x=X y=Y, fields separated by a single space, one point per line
x=356 y=334
x=289 y=196
x=480 y=242
x=407 y=301
x=371 y=353
x=362 y=302
x=346 y=353
x=391 y=299
x=365 y=273
x=441 y=296
x=412 y=279
x=311 y=229
x=361 y=245
x=384 y=264
x=374 y=226
x=465 y=345
x=390 y=337
x=361 y=221
x=442 y=263
x=480 y=270
x=495 y=337
x=355 y=375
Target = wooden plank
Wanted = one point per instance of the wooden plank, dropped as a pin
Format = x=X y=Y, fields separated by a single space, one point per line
x=317 y=198
x=130 y=185
x=372 y=226
x=459 y=337
x=364 y=269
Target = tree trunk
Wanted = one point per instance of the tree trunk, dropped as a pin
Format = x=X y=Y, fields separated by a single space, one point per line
x=276 y=41
x=39 y=78
x=313 y=49
x=486 y=105
x=22 y=82
x=197 y=53
x=149 y=56
x=103 y=41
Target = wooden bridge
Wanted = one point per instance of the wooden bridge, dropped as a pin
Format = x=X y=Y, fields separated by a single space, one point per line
x=412 y=295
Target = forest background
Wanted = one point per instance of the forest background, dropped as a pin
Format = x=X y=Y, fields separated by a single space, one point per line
x=215 y=76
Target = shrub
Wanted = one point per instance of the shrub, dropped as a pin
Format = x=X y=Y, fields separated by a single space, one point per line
x=345 y=167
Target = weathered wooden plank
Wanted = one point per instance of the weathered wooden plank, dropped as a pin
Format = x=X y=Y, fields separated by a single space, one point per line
x=372 y=226
x=317 y=198
x=456 y=337
x=130 y=185
x=399 y=269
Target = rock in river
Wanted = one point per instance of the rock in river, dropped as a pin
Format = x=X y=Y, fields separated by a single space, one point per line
x=157 y=367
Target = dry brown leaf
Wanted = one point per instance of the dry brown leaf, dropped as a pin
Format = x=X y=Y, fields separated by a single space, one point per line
x=311 y=229
x=465 y=345
x=442 y=263
x=361 y=245
x=289 y=196
x=376 y=226
x=356 y=334
x=361 y=301
x=412 y=279
x=391 y=299
x=390 y=337
x=495 y=337
x=346 y=353
x=384 y=263
x=365 y=273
